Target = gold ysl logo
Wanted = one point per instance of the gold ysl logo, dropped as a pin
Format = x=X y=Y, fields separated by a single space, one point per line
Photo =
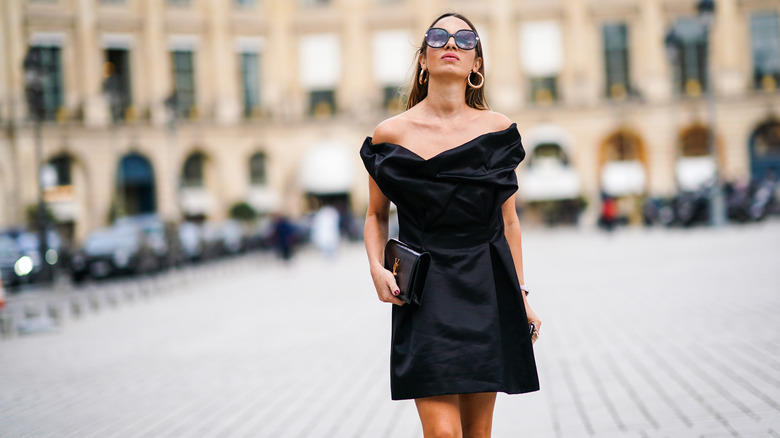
x=395 y=266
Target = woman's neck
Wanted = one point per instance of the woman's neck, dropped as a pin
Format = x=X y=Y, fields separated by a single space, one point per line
x=446 y=100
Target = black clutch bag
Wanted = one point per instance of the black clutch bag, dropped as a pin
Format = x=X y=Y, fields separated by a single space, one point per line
x=410 y=269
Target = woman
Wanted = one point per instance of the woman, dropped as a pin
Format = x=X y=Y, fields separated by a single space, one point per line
x=448 y=164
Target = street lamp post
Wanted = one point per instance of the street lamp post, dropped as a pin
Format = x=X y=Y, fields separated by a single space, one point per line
x=717 y=210
x=33 y=87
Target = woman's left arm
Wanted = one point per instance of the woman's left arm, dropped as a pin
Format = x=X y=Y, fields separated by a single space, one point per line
x=515 y=240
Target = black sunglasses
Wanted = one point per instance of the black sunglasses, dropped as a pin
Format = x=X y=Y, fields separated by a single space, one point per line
x=465 y=39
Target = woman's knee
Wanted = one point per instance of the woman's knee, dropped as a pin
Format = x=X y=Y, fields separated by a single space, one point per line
x=443 y=430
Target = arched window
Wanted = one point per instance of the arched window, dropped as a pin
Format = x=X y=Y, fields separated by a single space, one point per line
x=767 y=140
x=765 y=150
x=62 y=168
x=694 y=142
x=136 y=188
x=549 y=151
x=622 y=146
x=257 y=169
x=193 y=170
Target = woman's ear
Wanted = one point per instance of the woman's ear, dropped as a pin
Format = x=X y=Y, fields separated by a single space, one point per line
x=421 y=61
x=477 y=64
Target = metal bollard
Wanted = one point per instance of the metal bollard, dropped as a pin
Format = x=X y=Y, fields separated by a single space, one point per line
x=94 y=300
x=6 y=325
x=129 y=294
x=111 y=297
x=56 y=312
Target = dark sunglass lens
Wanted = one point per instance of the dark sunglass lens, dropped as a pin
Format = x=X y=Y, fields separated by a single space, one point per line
x=436 y=37
x=466 y=39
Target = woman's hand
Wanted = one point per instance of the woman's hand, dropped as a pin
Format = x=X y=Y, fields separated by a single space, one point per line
x=533 y=319
x=386 y=287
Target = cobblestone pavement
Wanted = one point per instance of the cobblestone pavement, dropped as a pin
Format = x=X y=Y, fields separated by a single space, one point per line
x=647 y=333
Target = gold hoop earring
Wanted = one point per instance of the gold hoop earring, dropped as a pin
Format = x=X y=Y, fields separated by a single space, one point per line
x=481 y=82
x=420 y=79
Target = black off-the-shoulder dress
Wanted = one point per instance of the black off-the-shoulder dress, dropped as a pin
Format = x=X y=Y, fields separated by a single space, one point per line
x=470 y=334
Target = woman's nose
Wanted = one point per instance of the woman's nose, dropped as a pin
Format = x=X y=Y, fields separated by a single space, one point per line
x=451 y=45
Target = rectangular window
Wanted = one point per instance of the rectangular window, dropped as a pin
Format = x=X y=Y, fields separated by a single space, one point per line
x=250 y=79
x=692 y=57
x=51 y=67
x=61 y=166
x=179 y=2
x=245 y=3
x=765 y=42
x=322 y=103
x=616 y=65
x=541 y=55
x=117 y=85
x=257 y=169
x=308 y=3
x=184 y=83
x=544 y=90
x=393 y=100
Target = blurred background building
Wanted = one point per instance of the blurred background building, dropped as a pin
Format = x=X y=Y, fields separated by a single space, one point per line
x=186 y=108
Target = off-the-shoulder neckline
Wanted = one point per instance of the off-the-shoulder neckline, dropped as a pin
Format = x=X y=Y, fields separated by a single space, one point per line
x=502 y=131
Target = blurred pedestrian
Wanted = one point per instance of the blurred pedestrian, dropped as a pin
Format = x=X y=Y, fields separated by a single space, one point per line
x=609 y=212
x=448 y=164
x=325 y=233
x=283 y=236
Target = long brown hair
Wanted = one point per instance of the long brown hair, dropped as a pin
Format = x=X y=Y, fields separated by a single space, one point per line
x=475 y=97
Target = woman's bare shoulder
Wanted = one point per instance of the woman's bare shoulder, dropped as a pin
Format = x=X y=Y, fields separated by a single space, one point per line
x=389 y=130
x=494 y=121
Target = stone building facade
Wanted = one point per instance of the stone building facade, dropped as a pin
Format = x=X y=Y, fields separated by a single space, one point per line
x=185 y=107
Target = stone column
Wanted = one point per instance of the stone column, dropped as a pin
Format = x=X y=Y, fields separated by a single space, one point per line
x=728 y=78
x=356 y=78
x=577 y=84
x=154 y=52
x=222 y=67
x=13 y=53
x=648 y=53
x=503 y=69
x=88 y=69
x=279 y=61
x=13 y=46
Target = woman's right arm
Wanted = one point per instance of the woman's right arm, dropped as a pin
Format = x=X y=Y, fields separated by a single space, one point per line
x=375 y=237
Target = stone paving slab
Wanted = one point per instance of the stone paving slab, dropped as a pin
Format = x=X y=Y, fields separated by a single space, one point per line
x=647 y=333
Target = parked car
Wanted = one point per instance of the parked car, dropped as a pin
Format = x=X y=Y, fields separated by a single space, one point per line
x=154 y=232
x=190 y=242
x=28 y=243
x=233 y=237
x=211 y=236
x=116 y=250
x=13 y=269
x=20 y=256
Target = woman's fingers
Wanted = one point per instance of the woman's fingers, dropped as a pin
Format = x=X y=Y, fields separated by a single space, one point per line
x=537 y=329
x=389 y=297
x=391 y=291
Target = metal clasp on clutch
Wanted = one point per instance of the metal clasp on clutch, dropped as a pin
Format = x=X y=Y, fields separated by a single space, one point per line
x=395 y=266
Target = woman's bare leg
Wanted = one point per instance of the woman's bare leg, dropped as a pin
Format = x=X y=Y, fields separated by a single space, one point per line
x=476 y=414
x=440 y=416
x=457 y=416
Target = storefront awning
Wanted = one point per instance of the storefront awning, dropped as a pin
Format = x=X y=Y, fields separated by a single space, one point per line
x=195 y=201
x=328 y=168
x=620 y=178
x=549 y=180
x=263 y=199
x=693 y=172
